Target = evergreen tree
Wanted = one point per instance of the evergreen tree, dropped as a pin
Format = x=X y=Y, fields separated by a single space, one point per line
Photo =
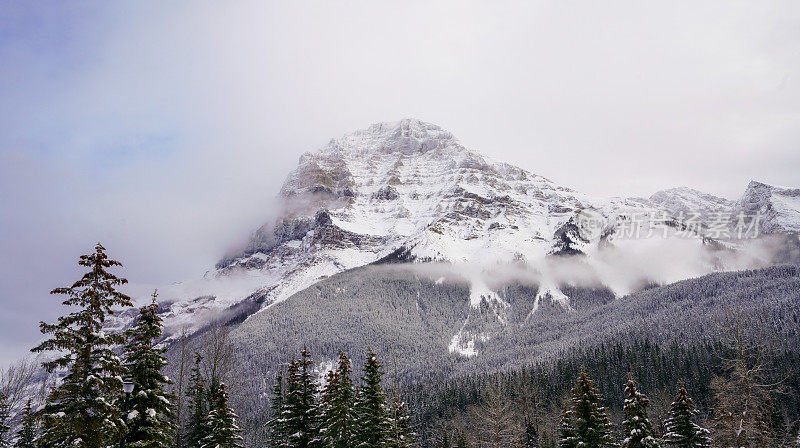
x=681 y=430
x=278 y=435
x=567 y=434
x=82 y=412
x=530 y=438
x=337 y=407
x=372 y=419
x=401 y=431
x=401 y=428
x=637 y=426
x=300 y=412
x=5 y=417
x=197 y=426
x=586 y=424
x=150 y=423
x=223 y=432
x=26 y=436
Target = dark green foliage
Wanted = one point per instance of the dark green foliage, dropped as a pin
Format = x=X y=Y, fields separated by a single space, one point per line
x=278 y=435
x=223 y=432
x=337 y=407
x=300 y=413
x=372 y=421
x=197 y=427
x=681 y=429
x=26 y=436
x=82 y=412
x=637 y=427
x=401 y=432
x=586 y=423
x=150 y=422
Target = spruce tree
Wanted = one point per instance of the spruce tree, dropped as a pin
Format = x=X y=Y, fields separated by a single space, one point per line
x=26 y=436
x=401 y=431
x=372 y=419
x=278 y=436
x=150 y=423
x=566 y=431
x=300 y=412
x=681 y=430
x=197 y=426
x=81 y=412
x=223 y=432
x=637 y=426
x=401 y=428
x=337 y=407
x=5 y=420
x=530 y=438
x=586 y=424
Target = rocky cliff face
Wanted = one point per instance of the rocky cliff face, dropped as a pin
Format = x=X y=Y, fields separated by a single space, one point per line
x=778 y=207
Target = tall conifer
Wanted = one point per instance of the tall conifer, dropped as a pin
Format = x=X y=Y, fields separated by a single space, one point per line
x=637 y=426
x=150 y=422
x=586 y=424
x=81 y=412
x=372 y=418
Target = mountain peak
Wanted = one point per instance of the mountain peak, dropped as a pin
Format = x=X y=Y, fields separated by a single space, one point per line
x=407 y=136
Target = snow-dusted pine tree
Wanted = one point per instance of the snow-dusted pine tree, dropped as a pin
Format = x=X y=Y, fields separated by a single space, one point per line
x=637 y=427
x=401 y=427
x=81 y=412
x=223 y=432
x=401 y=430
x=5 y=420
x=681 y=430
x=586 y=424
x=26 y=436
x=277 y=437
x=337 y=407
x=372 y=420
x=301 y=413
x=150 y=421
x=566 y=431
x=197 y=426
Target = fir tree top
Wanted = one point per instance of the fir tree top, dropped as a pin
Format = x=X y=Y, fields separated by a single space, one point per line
x=223 y=432
x=587 y=423
x=96 y=296
x=26 y=436
x=681 y=430
x=151 y=425
x=638 y=429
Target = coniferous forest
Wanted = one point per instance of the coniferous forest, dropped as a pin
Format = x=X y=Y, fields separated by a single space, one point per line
x=102 y=386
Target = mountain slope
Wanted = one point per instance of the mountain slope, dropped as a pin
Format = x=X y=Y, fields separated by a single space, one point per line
x=407 y=313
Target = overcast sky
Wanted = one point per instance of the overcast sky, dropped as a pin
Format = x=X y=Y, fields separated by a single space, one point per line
x=163 y=129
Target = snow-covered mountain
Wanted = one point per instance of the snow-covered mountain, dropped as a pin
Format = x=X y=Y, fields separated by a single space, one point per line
x=409 y=190
x=687 y=200
x=778 y=207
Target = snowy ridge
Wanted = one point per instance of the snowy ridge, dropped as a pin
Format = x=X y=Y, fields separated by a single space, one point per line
x=411 y=188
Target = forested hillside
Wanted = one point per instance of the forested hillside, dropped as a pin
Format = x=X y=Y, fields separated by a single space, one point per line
x=408 y=318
